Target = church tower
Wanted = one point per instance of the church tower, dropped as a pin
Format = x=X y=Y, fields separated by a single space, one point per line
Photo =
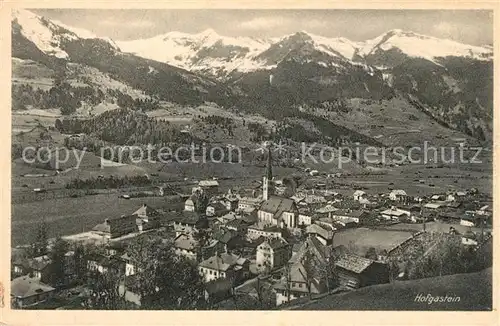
x=267 y=186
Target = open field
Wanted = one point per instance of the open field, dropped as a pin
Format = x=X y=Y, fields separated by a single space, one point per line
x=363 y=238
x=26 y=120
x=474 y=291
x=72 y=215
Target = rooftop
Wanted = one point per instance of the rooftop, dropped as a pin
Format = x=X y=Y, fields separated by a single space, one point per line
x=146 y=211
x=276 y=243
x=353 y=263
x=220 y=262
x=25 y=286
x=316 y=229
x=208 y=183
x=277 y=205
x=185 y=241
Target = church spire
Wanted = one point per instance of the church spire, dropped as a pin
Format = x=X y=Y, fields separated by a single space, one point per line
x=267 y=186
x=269 y=170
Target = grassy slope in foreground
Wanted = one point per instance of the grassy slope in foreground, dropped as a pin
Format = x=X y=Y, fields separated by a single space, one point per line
x=474 y=290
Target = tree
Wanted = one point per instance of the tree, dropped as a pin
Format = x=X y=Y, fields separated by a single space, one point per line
x=104 y=291
x=163 y=280
x=264 y=294
x=200 y=200
x=57 y=267
x=40 y=245
x=371 y=253
x=202 y=237
x=80 y=263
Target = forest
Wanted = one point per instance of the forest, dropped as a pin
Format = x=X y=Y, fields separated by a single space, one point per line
x=125 y=127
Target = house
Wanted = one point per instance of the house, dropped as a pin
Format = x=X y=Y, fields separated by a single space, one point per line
x=38 y=267
x=256 y=231
x=115 y=248
x=359 y=194
x=189 y=205
x=27 y=292
x=258 y=288
x=323 y=233
x=216 y=209
x=395 y=213
x=298 y=198
x=129 y=268
x=97 y=263
x=147 y=213
x=188 y=222
x=210 y=187
x=400 y=195
x=240 y=226
x=469 y=238
x=229 y=239
x=272 y=253
x=19 y=266
x=305 y=217
x=336 y=223
x=297 y=280
x=218 y=290
x=245 y=203
x=354 y=271
x=185 y=245
x=230 y=201
x=118 y=226
x=278 y=211
x=226 y=218
x=432 y=206
x=224 y=265
x=438 y=197
x=451 y=197
x=468 y=221
x=148 y=218
x=326 y=211
x=348 y=215
x=129 y=290
x=314 y=199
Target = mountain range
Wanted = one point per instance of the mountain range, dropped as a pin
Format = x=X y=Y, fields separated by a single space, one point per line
x=450 y=82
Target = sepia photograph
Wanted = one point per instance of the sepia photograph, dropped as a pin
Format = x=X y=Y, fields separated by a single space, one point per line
x=251 y=159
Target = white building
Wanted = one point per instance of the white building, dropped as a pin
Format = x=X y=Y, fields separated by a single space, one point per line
x=395 y=213
x=359 y=194
x=278 y=211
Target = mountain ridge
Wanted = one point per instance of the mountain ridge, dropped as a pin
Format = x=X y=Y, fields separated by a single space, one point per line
x=452 y=83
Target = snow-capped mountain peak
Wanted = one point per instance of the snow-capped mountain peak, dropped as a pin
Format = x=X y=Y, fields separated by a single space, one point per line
x=219 y=56
x=40 y=31
x=421 y=46
x=48 y=35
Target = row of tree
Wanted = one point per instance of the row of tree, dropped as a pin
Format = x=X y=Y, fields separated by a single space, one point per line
x=111 y=182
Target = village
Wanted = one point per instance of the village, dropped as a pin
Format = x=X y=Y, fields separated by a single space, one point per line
x=264 y=247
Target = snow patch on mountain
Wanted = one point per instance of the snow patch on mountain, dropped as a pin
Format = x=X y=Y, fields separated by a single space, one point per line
x=206 y=51
x=422 y=46
x=40 y=32
x=48 y=35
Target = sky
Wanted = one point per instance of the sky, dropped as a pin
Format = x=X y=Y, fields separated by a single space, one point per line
x=467 y=26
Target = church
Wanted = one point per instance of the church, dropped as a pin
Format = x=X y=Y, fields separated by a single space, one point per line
x=275 y=210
